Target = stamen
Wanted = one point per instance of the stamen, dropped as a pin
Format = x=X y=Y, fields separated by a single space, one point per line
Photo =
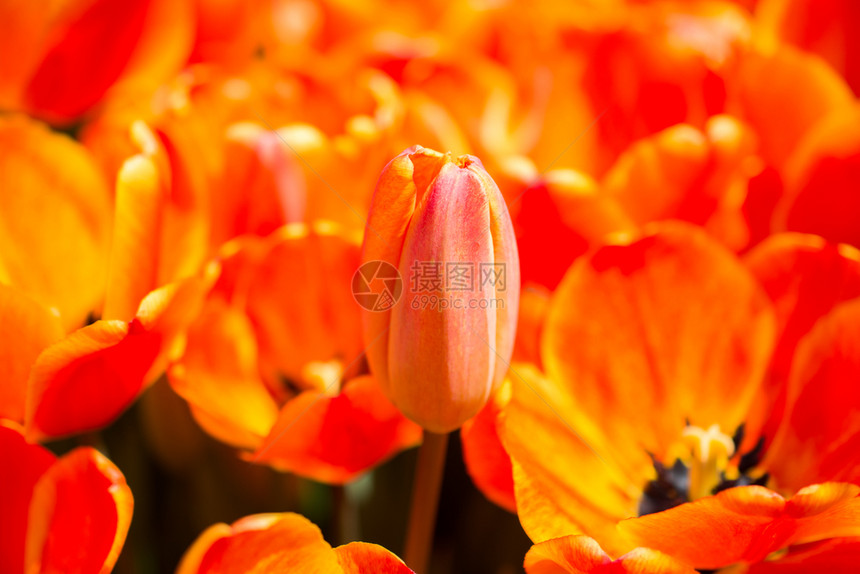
x=711 y=450
x=324 y=376
x=705 y=463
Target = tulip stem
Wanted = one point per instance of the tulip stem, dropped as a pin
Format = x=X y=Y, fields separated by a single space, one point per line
x=425 y=500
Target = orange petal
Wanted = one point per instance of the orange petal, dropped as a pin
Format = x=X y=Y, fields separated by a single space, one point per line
x=361 y=557
x=86 y=380
x=218 y=377
x=805 y=277
x=22 y=466
x=820 y=432
x=534 y=306
x=263 y=542
x=23 y=31
x=51 y=189
x=821 y=191
x=738 y=524
x=688 y=174
x=779 y=122
x=300 y=302
x=396 y=190
x=137 y=225
x=486 y=459
x=582 y=555
x=334 y=439
x=747 y=523
x=562 y=486
x=27 y=329
x=670 y=324
x=190 y=160
x=828 y=510
x=572 y=554
x=79 y=516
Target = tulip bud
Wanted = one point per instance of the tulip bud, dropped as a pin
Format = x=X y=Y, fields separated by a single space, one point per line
x=443 y=348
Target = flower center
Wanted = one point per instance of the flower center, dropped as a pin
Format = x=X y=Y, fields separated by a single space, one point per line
x=704 y=462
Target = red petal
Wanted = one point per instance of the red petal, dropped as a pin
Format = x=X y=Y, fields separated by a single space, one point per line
x=836 y=556
x=820 y=433
x=334 y=439
x=805 y=277
x=822 y=196
x=89 y=57
x=22 y=465
x=264 y=542
x=79 y=516
x=361 y=557
x=86 y=380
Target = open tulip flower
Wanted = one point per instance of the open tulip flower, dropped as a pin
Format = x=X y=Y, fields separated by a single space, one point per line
x=272 y=363
x=642 y=429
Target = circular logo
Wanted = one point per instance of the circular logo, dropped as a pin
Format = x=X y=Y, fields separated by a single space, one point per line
x=377 y=286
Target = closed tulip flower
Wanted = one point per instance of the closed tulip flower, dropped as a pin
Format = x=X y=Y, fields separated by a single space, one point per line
x=442 y=349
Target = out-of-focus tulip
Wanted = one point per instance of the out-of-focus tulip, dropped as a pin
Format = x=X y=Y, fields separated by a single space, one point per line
x=59 y=515
x=281 y=542
x=271 y=363
x=442 y=351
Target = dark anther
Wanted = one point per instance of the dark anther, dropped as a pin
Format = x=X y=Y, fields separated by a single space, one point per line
x=751 y=459
x=290 y=385
x=762 y=480
x=739 y=435
x=667 y=491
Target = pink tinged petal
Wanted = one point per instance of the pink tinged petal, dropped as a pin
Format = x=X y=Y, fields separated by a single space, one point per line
x=442 y=362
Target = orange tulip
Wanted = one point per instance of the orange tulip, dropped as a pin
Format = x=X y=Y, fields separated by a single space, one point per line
x=281 y=543
x=272 y=363
x=59 y=515
x=653 y=351
x=442 y=352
